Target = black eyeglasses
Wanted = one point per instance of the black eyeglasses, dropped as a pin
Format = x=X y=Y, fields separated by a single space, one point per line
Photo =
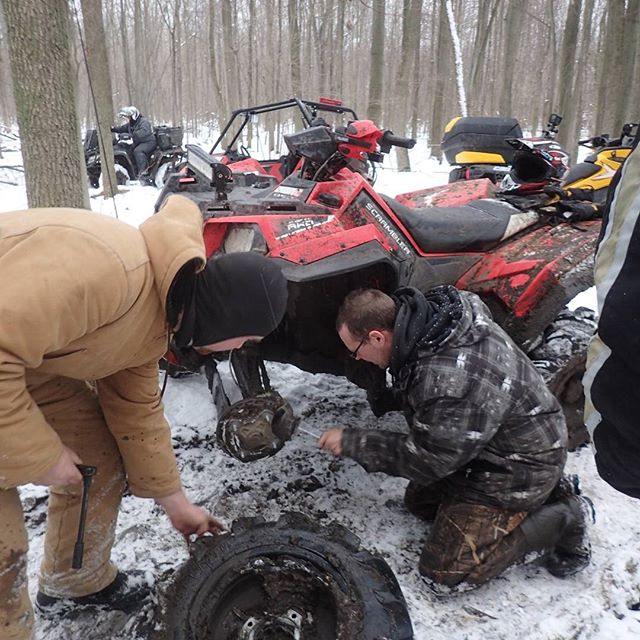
x=354 y=353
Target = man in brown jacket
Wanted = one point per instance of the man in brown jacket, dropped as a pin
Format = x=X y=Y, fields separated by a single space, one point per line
x=86 y=298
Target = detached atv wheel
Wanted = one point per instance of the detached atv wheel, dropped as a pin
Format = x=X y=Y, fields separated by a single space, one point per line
x=561 y=357
x=290 y=579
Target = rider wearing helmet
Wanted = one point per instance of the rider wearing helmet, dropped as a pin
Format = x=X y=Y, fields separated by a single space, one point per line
x=142 y=135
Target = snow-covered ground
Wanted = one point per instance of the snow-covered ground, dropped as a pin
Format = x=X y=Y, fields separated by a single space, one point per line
x=525 y=601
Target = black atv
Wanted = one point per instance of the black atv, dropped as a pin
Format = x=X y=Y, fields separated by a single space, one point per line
x=167 y=157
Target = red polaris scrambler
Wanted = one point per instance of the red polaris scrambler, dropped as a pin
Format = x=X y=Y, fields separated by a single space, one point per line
x=331 y=232
x=229 y=149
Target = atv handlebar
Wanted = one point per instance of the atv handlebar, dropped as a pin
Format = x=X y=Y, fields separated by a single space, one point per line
x=388 y=140
x=595 y=141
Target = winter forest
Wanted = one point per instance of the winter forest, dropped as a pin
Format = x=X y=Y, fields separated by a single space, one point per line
x=410 y=65
x=68 y=67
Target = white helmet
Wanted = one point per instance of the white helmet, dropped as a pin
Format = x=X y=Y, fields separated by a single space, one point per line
x=129 y=112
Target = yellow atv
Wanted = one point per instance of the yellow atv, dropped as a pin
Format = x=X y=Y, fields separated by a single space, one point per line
x=479 y=147
x=584 y=189
x=598 y=168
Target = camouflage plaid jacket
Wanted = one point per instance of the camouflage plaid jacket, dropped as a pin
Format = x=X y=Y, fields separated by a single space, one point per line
x=481 y=420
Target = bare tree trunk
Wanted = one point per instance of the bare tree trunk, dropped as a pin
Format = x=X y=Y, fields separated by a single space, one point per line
x=479 y=58
x=138 y=67
x=338 y=56
x=220 y=104
x=602 y=69
x=229 y=52
x=411 y=18
x=294 y=47
x=615 y=53
x=175 y=64
x=634 y=89
x=126 y=56
x=443 y=54
x=626 y=109
x=376 y=75
x=38 y=33
x=566 y=77
x=582 y=73
x=6 y=95
x=250 y=66
x=515 y=13
x=100 y=85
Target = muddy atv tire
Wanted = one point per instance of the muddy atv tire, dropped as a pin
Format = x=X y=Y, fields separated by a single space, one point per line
x=286 y=579
x=561 y=356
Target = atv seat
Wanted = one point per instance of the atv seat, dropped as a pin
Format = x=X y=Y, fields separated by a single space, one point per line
x=581 y=170
x=477 y=226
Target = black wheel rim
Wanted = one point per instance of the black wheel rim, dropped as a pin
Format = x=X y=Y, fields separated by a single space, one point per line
x=275 y=597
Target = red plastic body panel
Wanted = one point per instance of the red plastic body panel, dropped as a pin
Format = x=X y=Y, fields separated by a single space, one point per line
x=541 y=268
x=449 y=195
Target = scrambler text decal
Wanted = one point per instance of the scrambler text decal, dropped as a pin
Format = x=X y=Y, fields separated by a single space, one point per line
x=389 y=230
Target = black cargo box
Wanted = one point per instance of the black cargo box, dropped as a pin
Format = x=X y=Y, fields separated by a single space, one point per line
x=467 y=139
x=168 y=137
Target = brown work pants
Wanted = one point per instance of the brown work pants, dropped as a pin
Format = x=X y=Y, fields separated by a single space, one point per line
x=468 y=543
x=72 y=409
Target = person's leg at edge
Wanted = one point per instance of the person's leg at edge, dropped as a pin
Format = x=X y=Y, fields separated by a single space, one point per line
x=16 y=612
x=72 y=409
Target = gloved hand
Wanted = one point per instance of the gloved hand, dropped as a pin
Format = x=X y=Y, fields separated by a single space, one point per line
x=578 y=211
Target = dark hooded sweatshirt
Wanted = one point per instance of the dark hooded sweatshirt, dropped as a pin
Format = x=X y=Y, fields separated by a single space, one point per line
x=481 y=418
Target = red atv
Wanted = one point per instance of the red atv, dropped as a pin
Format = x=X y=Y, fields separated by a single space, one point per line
x=331 y=232
x=229 y=150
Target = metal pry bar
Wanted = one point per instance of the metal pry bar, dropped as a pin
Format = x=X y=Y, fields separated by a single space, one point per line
x=78 y=550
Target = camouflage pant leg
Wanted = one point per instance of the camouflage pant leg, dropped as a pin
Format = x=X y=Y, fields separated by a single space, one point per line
x=471 y=543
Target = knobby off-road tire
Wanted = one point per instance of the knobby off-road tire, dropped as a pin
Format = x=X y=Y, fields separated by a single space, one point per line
x=122 y=176
x=561 y=357
x=286 y=579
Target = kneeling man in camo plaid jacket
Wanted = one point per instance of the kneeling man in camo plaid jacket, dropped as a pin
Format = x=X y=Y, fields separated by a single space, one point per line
x=487 y=441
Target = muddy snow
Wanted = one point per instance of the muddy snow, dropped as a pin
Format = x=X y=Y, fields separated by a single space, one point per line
x=525 y=601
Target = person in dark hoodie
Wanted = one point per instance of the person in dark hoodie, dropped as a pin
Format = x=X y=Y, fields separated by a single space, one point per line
x=613 y=367
x=487 y=440
x=80 y=340
x=144 y=140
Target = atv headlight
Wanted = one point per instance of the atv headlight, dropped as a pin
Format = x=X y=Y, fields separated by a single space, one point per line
x=244 y=237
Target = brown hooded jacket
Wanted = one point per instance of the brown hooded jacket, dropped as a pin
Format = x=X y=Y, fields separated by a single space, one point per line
x=83 y=296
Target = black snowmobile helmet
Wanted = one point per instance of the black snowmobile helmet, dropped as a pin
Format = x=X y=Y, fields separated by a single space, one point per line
x=533 y=167
x=530 y=167
x=236 y=294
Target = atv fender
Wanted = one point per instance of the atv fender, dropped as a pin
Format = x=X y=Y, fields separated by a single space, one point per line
x=529 y=280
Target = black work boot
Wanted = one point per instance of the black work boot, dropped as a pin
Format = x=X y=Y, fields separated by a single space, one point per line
x=573 y=551
x=568 y=485
x=126 y=593
x=561 y=529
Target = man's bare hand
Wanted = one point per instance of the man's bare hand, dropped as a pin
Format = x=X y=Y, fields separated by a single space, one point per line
x=64 y=470
x=188 y=518
x=331 y=441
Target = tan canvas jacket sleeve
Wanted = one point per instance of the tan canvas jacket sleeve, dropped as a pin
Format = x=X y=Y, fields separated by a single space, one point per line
x=80 y=298
x=130 y=400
